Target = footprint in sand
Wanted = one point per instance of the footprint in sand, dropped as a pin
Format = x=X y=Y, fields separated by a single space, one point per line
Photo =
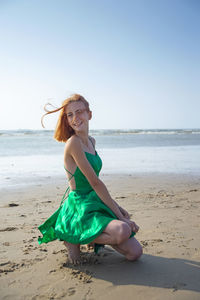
x=151 y=242
x=8 y=229
x=48 y=201
x=31 y=240
x=13 y=204
x=144 y=243
x=71 y=291
x=6 y=244
x=44 y=250
x=8 y=267
x=194 y=190
x=83 y=276
x=52 y=271
x=5 y=263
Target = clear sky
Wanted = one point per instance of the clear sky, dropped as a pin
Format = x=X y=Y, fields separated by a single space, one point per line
x=137 y=62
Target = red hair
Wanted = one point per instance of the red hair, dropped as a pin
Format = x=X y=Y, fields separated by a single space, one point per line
x=63 y=131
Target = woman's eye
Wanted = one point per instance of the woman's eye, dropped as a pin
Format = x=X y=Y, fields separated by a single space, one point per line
x=69 y=115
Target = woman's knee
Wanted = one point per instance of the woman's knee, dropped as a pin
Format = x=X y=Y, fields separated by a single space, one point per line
x=135 y=254
x=123 y=232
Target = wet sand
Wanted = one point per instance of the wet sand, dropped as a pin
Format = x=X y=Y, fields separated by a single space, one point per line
x=167 y=209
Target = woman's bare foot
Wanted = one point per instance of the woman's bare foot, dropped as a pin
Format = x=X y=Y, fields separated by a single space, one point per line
x=73 y=253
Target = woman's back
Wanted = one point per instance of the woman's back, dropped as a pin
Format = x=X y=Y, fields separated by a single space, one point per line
x=81 y=183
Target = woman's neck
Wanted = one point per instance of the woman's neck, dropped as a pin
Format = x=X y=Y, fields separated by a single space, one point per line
x=84 y=138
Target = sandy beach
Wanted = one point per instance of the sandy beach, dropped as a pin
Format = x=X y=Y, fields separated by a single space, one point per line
x=166 y=207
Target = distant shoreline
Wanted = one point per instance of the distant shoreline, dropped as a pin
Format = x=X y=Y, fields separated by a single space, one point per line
x=29 y=157
x=109 y=131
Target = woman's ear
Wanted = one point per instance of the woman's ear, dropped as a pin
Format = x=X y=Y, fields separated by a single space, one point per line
x=90 y=115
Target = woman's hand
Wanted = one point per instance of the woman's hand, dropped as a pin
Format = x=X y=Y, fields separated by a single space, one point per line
x=124 y=213
x=134 y=227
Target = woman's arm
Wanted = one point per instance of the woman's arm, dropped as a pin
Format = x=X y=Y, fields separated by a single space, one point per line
x=124 y=212
x=73 y=147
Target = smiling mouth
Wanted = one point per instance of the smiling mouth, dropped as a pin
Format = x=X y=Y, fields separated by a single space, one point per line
x=77 y=124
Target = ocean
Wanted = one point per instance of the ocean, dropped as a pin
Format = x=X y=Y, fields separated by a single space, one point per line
x=32 y=156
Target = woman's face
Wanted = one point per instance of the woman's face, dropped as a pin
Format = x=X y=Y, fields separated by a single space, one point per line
x=78 y=116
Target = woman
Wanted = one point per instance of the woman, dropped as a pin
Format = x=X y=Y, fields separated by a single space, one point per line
x=88 y=213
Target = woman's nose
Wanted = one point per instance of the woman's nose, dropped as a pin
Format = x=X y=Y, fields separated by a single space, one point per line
x=75 y=117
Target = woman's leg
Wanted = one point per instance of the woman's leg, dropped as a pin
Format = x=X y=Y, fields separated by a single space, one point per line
x=130 y=248
x=115 y=233
x=73 y=252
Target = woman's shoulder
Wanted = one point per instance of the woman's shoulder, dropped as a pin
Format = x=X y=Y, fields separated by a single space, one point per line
x=92 y=140
x=72 y=142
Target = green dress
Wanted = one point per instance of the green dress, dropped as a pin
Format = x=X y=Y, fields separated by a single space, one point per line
x=82 y=215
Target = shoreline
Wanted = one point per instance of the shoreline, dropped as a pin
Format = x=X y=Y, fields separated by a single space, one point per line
x=48 y=181
x=166 y=207
x=36 y=169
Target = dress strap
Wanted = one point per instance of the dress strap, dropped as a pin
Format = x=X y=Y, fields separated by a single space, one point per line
x=65 y=195
x=72 y=175
x=92 y=142
x=68 y=188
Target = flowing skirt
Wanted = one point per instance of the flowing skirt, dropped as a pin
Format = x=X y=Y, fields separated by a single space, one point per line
x=79 y=220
